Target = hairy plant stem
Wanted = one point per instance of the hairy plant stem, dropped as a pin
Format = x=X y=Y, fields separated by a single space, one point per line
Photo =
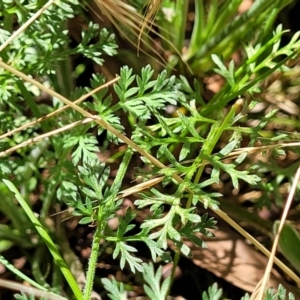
x=122 y=171
x=93 y=259
x=102 y=223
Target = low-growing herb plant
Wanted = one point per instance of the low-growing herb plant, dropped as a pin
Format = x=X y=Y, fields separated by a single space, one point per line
x=156 y=127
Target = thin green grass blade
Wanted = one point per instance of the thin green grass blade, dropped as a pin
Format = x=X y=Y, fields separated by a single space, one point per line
x=47 y=239
x=17 y=272
x=181 y=11
x=196 y=38
x=13 y=269
x=11 y=211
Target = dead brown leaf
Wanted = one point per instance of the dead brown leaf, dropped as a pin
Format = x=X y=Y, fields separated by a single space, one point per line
x=228 y=256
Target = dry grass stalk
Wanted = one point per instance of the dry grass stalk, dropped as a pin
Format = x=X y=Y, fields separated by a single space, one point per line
x=260 y=289
x=153 y=7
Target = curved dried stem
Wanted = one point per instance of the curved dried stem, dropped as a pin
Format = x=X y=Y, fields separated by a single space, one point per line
x=124 y=18
x=45 y=136
x=30 y=290
x=153 y=7
x=262 y=285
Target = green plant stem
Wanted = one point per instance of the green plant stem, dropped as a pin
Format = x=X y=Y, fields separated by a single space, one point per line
x=93 y=259
x=266 y=30
x=211 y=142
x=38 y=259
x=31 y=102
x=212 y=139
x=102 y=221
x=51 y=190
x=121 y=172
x=8 y=21
x=196 y=38
x=181 y=11
x=57 y=279
x=65 y=78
